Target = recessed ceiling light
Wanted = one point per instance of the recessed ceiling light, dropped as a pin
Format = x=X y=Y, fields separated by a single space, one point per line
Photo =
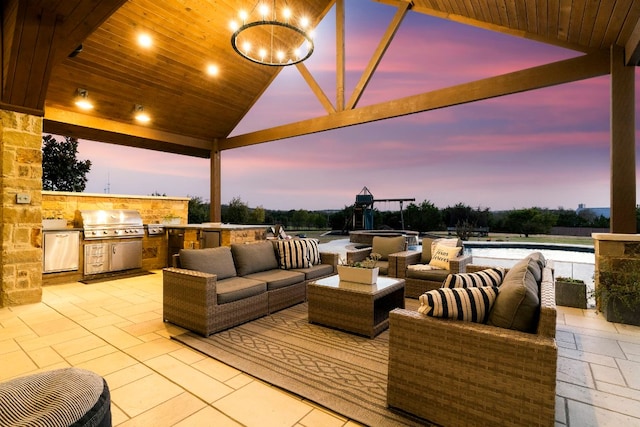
x=145 y=40
x=82 y=99
x=212 y=70
x=140 y=115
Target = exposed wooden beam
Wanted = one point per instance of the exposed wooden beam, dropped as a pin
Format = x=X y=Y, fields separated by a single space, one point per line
x=62 y=122
x=403 y=8
x=632 y=48
x=340 y=63
x=623 y=144
x=215 y=207
x=574 y=69
x=315 y=88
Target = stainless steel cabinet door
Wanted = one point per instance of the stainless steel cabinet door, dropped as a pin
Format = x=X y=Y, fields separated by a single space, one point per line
x=126 y=255
x=61 y=251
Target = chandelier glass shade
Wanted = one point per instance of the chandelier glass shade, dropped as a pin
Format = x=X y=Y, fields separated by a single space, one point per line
x=272 y=37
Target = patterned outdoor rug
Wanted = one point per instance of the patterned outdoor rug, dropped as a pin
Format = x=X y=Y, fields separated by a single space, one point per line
x=340 y=371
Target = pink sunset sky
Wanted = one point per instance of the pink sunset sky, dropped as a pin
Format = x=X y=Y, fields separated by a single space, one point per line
x=547 y=148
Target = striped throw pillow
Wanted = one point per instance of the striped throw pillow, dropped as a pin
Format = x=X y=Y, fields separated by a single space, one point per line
x=470 y=304
x=488 y=277
x=313 y=250
x=293 y=254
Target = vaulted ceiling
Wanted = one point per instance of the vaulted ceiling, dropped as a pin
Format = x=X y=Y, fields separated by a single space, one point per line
x=193 y=112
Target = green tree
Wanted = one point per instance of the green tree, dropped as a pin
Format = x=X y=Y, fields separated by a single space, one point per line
x=237 y=212
x=300 y=218
x=61 y=171
x=530 y=221
x=257 y=215
x=199 y=211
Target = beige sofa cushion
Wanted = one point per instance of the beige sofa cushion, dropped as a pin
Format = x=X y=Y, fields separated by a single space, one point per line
x=437 y=275
x=518 y=304
x=254 y=257
x=276 y=279
x=316 y=271
x=238 y=288
x=387 y=245
x=216 y=261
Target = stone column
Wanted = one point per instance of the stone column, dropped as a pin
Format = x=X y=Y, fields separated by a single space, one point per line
x=21 y=223
x=615 y=252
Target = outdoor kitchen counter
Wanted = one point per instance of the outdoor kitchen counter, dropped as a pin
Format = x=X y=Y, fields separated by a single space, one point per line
x=214 y=226
x=212 y=234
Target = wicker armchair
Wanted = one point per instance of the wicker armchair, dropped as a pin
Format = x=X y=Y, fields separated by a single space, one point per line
x=461 y=373
x=417 y=283
x=385 y=246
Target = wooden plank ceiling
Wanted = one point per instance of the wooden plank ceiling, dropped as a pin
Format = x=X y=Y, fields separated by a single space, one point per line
x=191 y=109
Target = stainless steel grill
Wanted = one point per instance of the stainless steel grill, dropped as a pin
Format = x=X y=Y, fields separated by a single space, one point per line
x=110 y=224
x=154 y=229
x=108 y=228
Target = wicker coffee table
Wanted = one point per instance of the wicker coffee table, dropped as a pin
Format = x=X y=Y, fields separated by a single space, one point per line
x=354 y=307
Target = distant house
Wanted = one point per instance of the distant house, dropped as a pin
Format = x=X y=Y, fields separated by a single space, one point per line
x=605 y=212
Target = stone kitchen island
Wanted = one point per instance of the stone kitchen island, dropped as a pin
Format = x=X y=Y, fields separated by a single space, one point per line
x=211 y=235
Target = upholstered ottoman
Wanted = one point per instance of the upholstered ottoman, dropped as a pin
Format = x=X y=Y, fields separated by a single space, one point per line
x=62 y=397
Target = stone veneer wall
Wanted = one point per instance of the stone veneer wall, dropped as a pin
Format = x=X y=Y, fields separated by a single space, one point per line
x=153 y=209
x=20 y=224
x=615 y=253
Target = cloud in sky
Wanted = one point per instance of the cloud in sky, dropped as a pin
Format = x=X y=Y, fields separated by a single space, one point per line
x=546 y=148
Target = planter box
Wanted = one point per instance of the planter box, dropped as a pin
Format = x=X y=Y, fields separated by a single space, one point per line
x=618 y=312
x=358 y=274
x=571 y=294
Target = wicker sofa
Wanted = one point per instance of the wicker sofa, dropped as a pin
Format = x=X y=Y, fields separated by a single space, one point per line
x=417 y=281
x=209 y=290
x=454 y=372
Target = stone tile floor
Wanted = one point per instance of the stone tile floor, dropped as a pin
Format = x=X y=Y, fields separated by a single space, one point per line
x=115 y=328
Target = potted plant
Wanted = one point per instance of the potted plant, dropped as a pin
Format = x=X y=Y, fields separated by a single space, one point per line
x=618 y=295
x=361 y=271
x=571 y=292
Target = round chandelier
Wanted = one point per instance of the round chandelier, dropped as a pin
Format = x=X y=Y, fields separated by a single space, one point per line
x=267 y=40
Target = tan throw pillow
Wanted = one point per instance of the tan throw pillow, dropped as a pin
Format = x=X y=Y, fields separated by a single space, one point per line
x=387 y=245
x=518 y=305
x=429 y=246
x=442 y=255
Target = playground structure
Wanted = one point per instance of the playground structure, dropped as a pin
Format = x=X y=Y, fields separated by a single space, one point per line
x=362 y=218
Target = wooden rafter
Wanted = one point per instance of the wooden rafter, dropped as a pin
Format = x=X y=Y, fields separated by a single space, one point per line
x=315 y=87
x=340 y=61
x=403 y=8
x=63 y=122
x=574 y=69
x=632 y=48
